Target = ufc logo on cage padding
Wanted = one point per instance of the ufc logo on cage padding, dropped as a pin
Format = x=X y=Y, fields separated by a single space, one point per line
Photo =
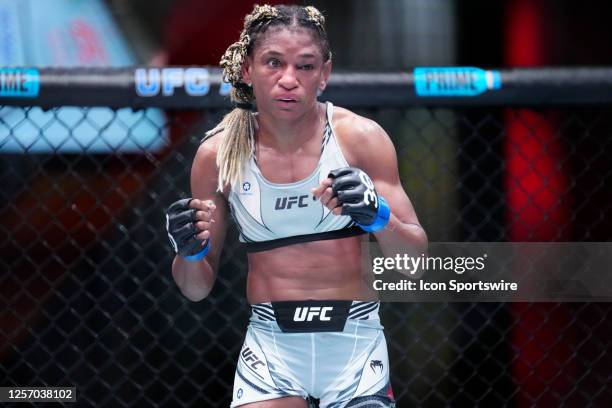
x=311 y=315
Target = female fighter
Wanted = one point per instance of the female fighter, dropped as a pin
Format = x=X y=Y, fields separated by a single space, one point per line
x=305 y=182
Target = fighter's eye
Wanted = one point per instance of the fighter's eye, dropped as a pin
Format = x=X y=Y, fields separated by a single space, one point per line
x=273 y=62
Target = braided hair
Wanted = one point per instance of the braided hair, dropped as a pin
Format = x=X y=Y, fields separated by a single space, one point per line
x=239 y=125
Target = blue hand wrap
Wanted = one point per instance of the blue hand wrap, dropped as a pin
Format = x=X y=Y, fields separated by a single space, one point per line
x=200 y=255
x=382 y=217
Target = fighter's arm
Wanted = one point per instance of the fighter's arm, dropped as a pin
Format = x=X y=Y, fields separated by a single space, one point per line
x=376 y=155
x=196 y=278
x=369 y=148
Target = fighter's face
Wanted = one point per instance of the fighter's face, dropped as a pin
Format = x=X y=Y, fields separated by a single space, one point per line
x=286 y=70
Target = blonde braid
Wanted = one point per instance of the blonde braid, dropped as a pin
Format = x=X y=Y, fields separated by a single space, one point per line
x=231 y=62
x=238 y=143
x=259 y=14
x=317 y=18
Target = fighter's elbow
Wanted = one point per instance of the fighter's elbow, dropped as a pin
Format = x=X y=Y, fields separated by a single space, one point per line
x=421 y=238
x=195 y=285
x=195 y=295
x=418 y=238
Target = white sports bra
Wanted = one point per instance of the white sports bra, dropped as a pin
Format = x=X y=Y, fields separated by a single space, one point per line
x=270 y=215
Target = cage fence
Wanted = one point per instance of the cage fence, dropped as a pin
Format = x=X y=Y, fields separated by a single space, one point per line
x=88 y=300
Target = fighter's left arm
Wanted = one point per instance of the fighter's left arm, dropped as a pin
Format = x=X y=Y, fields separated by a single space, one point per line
x=370 y=150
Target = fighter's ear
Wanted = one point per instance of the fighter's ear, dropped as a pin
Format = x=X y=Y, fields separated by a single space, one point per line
x=327 y=67
x=246 y=69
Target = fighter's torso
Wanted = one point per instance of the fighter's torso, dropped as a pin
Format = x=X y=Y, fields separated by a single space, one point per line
x=269 y=215
x=297 y=249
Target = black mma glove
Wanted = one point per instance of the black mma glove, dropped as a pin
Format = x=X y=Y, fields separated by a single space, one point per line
x=358 y=198
x=180 y=223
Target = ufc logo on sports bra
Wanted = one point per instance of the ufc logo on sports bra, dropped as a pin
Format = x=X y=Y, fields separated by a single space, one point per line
x=308 y=313
x=285 y=203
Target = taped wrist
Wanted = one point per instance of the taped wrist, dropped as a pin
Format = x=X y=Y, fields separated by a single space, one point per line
x=382 y=217
x=200 y=255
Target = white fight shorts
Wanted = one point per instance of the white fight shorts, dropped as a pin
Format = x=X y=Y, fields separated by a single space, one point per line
x=334 y=351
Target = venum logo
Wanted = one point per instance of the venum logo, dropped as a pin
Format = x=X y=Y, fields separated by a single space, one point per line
x=308 y=313
x=251 y=359
x=374 y=364
x=285 y=203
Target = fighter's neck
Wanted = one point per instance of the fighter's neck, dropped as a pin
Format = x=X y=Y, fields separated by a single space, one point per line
x=289 y=135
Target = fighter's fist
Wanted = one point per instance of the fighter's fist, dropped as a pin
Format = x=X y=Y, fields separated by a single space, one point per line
x=188 y=222
x=356 y=194
x=358 y=199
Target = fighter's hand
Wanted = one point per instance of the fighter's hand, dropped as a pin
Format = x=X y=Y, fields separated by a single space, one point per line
x=188 y=222
x=350 y=191
x=326 y=195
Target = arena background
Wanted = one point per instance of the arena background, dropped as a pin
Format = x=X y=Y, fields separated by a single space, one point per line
x=85 y=287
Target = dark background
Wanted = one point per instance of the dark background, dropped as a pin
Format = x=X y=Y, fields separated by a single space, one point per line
x=475 y=32
x=87 y=297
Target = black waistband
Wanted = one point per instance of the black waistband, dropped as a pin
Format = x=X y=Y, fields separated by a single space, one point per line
x=311 y=315
x=307 y=316
x=298 y=239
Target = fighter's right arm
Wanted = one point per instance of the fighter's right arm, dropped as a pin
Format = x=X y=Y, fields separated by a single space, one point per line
x=195 y=278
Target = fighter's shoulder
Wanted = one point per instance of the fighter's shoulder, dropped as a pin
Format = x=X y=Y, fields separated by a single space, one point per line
x=206 y=154
x=350 y=124
x=209 y=145
x=212 y=139
x=356 y=130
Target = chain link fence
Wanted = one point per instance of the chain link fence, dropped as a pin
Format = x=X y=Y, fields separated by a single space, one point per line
x=88 y=300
